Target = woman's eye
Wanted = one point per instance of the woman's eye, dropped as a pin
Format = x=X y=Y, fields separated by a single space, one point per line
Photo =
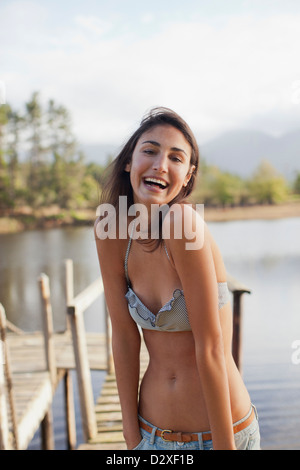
x=149 y=152
x=175 y=158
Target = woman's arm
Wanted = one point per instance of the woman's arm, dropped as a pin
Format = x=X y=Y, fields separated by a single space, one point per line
x=196 y=271
x=125 y=336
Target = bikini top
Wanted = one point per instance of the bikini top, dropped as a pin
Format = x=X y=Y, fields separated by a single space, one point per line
x=173 y=316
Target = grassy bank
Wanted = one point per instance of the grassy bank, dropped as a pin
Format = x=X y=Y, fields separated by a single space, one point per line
x=267 y=212
x=45 y=218
x=51 y=217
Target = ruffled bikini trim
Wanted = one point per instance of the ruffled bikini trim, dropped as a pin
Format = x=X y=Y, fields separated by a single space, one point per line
x=135 y=302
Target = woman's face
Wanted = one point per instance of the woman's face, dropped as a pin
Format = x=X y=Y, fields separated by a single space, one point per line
x=160 y=165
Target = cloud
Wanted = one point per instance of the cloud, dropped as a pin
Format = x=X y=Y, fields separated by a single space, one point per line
x=93 y=24
x=232 y=72
x=147 y=18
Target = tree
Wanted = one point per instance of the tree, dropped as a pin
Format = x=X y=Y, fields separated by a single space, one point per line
x=4 y=180
x=36 y=170
x=59 y=136
x=217 y=188
x=34 y=116
x=296 y=185
x=267 y=186
x=15 y=126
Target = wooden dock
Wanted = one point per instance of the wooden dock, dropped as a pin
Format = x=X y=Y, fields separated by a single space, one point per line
x=109 y=434
x=32 y=365
x=31 y=382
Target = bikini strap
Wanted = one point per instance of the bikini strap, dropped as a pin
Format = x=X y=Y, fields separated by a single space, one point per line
x=126 y=257
x=126 y=262
x=165 y=247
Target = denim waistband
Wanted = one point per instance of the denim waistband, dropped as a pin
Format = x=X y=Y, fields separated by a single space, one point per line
x=200 y=434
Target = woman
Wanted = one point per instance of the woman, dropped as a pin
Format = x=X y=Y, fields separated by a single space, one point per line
x=192 y=395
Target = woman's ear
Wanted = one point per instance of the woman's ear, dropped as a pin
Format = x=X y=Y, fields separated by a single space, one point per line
x=128 y=167
x=188 y=176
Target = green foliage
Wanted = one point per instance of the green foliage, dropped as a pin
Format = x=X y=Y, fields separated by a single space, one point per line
x=267 y=186
x=296 y=185
x=53 y=171
x=217 y=188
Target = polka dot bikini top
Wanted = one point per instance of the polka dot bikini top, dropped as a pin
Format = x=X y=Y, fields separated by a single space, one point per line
x=172 y=316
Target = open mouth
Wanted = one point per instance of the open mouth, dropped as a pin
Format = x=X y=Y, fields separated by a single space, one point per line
x=155 y=183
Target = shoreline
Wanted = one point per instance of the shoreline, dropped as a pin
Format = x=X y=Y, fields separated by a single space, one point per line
x=266 y=212
x=54 y=217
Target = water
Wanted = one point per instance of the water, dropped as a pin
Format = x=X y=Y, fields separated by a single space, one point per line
x=263 y=255
x=23 y=256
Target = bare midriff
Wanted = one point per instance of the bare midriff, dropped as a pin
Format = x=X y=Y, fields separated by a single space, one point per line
x=171 y=395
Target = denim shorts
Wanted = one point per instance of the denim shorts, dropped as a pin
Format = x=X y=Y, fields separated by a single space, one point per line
x=247 y=439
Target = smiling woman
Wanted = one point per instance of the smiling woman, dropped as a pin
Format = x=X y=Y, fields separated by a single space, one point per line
x=152 y=129
x=192 y=396
x=157 y=170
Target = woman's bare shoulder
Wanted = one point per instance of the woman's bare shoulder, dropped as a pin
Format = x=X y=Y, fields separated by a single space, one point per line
x=188 y=236
x=184 y=225
x=110 y=248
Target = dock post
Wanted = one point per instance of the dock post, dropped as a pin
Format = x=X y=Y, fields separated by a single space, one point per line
x=3 y=408
x=6 y=378
x=238 y=290
x=70 y=411
x=48 y=327
x=47 y=422
x=68 y=381
x=76 y=307
x=237 y=329
x=69 y=286
x=83 y=373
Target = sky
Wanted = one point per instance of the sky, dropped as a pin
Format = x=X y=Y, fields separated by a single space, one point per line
x=221 y=64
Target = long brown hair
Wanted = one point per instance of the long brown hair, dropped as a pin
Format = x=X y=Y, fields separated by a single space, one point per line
x=118 y=180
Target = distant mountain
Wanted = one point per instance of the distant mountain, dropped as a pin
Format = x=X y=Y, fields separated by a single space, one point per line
x=239 y=152
x=99 y=153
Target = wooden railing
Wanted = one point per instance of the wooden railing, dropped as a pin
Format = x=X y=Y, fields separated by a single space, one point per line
x=76 y=307
x=17 y=432
x=238 y=290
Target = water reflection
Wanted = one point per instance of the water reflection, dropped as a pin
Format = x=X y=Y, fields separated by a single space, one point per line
x=264 y=255
x=25 y=255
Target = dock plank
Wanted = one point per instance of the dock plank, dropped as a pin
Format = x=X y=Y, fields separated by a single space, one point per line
x=276 y=401
x=32 y=387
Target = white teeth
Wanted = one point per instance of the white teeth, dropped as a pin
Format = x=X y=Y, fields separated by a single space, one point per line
x=155 y=180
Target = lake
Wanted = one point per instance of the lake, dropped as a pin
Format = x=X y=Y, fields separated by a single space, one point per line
x=263 y=255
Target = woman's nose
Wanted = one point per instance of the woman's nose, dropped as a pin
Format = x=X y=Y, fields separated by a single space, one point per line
x=161 y=163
